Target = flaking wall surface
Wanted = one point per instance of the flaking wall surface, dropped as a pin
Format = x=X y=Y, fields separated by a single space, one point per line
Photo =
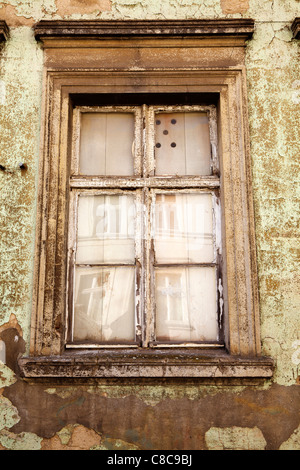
x=181 y=416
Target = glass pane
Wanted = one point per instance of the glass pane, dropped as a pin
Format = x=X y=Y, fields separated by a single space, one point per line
x=106 y=144
x=186 y=306
x=106 y=229
x=182 y=144
x=104 y=304
x=184 y=228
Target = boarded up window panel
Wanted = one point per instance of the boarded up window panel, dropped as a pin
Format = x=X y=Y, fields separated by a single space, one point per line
x=186 y=305
x=184 y=228
x=104 y=304
x=182 y=144
x=106 y=144
x=106 y=229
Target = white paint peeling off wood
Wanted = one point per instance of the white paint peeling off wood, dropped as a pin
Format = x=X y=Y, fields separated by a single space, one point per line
x=213 y=131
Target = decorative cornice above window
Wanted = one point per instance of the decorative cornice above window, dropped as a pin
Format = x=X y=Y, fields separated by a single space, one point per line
x=296 y=28
x=240 y=28
x=3 y=31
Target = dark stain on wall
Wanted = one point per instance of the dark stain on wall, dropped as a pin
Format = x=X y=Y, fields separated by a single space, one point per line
x=170 y=424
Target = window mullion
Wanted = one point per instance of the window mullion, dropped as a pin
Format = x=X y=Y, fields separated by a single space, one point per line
x=139 y=263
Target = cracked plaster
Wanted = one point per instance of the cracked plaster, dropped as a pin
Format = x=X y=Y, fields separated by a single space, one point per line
x=272 y=63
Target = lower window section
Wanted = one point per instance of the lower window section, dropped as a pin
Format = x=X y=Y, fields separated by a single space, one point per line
x=121 y=297
x=186 y=304
x=104 y=304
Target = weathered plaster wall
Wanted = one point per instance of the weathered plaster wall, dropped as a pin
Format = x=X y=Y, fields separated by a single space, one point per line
x=37 y=416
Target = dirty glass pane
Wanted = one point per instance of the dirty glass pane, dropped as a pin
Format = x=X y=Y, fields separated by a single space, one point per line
x=104 y=304
x=184 y=228
x=106 y=229
x=106 y=144
x=186 y=307
x=182 y=144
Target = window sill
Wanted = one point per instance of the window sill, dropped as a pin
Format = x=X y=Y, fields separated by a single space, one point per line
x=184 y=364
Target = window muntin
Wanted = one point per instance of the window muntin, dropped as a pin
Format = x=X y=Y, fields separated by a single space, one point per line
x=157 y=247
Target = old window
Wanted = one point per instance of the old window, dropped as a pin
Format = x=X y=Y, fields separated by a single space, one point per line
x=145 y=244
x=145 y=261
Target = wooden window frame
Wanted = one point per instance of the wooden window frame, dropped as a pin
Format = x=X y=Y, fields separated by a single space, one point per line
x=145 y=185
x=209 y=62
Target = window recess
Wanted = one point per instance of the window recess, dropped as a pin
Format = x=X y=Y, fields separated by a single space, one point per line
x=145 y=262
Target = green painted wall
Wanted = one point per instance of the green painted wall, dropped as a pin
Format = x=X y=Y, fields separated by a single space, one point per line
x=235 y=417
